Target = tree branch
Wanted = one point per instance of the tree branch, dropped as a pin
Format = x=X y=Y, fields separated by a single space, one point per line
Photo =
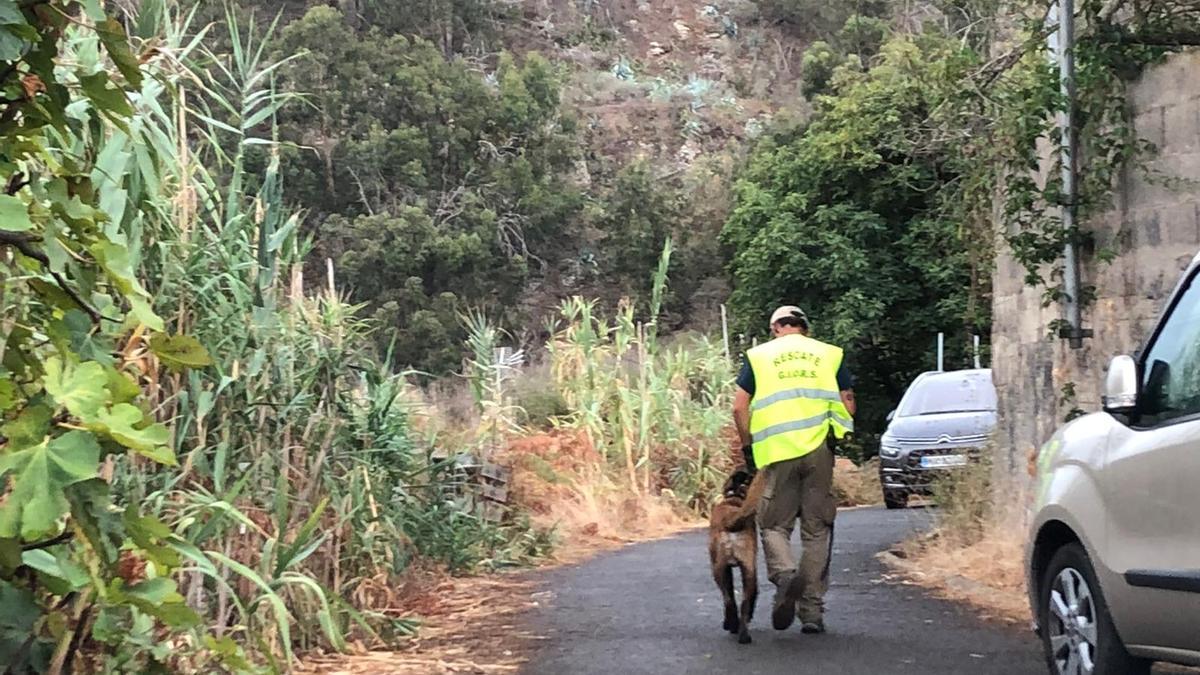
x=15 y=183
x=24 y=243
x=60 y=539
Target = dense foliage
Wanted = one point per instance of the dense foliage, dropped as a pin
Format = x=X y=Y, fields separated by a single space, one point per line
x=880 y=214
x=847 y=218
x=442 y=177
x=433 y=186
x=78 y=332
x=296 y=489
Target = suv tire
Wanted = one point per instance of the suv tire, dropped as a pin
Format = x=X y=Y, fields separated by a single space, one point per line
x=1069 y=584
x=895 y=500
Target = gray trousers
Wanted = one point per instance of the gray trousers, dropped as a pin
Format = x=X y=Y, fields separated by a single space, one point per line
x=800 y=488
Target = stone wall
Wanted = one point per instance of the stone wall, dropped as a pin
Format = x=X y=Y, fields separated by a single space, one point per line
x=1155 y=231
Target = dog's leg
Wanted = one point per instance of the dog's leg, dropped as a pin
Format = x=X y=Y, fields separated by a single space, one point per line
x=749 y=598
x=724 y=579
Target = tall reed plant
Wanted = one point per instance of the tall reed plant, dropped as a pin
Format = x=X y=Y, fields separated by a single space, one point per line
x=657 y=412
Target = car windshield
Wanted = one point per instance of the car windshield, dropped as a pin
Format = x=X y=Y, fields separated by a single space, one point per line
x=950 y=393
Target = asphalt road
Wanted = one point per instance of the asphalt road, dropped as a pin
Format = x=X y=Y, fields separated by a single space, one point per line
x=653 y=608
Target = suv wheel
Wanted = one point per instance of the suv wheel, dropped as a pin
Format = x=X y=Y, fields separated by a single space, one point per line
x=895 y=500
x=1078 y=635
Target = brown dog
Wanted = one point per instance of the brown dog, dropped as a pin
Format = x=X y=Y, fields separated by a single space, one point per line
x=729 y=549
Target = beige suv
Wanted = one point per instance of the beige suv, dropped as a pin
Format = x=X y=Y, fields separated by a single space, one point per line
x=1113 y=559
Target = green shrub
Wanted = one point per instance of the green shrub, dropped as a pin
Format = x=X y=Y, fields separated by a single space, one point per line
x=538 y=400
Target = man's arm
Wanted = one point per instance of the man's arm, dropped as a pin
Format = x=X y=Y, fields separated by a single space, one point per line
x=741 y=414
x=845 y=382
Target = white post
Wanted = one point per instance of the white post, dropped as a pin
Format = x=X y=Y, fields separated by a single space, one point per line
x=725 y=330
x=941 y=358
x=977 y=363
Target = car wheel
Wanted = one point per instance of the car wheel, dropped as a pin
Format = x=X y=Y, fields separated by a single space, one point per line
x=895 y=500
x=1078 y=635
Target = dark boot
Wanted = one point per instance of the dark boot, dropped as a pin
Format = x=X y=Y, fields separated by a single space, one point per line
x=787 y=593
x=812 y=627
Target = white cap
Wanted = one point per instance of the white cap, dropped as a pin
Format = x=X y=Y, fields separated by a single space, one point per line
x=788 y=312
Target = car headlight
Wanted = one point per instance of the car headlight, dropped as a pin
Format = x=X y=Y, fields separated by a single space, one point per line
x=889 y=451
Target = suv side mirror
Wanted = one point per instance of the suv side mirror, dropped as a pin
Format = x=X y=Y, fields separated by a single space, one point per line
x=1121 y=386
x=891 y=416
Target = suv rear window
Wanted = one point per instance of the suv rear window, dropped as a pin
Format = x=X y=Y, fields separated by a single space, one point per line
x=949 y=393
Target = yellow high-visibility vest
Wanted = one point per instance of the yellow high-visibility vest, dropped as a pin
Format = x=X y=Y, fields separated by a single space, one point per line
x=797 y=401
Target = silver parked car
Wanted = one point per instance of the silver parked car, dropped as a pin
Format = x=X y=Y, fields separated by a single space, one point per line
x=943 y=422
x=1113 y=558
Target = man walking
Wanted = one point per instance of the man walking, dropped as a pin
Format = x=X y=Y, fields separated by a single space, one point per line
x=793 y=394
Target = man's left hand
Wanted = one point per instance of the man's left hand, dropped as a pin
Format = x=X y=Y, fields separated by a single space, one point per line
x=748 y=455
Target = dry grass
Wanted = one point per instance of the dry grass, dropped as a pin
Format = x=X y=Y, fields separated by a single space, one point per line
x=987 y=573
x=471 y=625
x=857 y=485
x=560 y=479
x=976 y=551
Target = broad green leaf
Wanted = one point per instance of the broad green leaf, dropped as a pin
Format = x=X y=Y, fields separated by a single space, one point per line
x=230 y=652
x=17 y=621
x=112 y=36
x=142 y=311
x=121 y=386
x=39 y=474
x=110 y=626
x=52 y=294
x=109 y=101
x=80 y=389
x=147 y=527
x=14 y=215
x=180 y=351
x=76 y=331
x=57 y=567
x=115 y=261
x=11 y=46
x=10 y=14
x=94 y=515
x=159 y=598
x=69 y=206
x=127 y=425
x=152 y=536
x=155 y=591
x=29 y=428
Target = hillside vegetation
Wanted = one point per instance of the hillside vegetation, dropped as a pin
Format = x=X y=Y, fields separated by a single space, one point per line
x=280 y=277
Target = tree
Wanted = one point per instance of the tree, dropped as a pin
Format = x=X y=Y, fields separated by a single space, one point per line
x=821 y=18
x=852 y=48
x=849 y=218
x=416 y=168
